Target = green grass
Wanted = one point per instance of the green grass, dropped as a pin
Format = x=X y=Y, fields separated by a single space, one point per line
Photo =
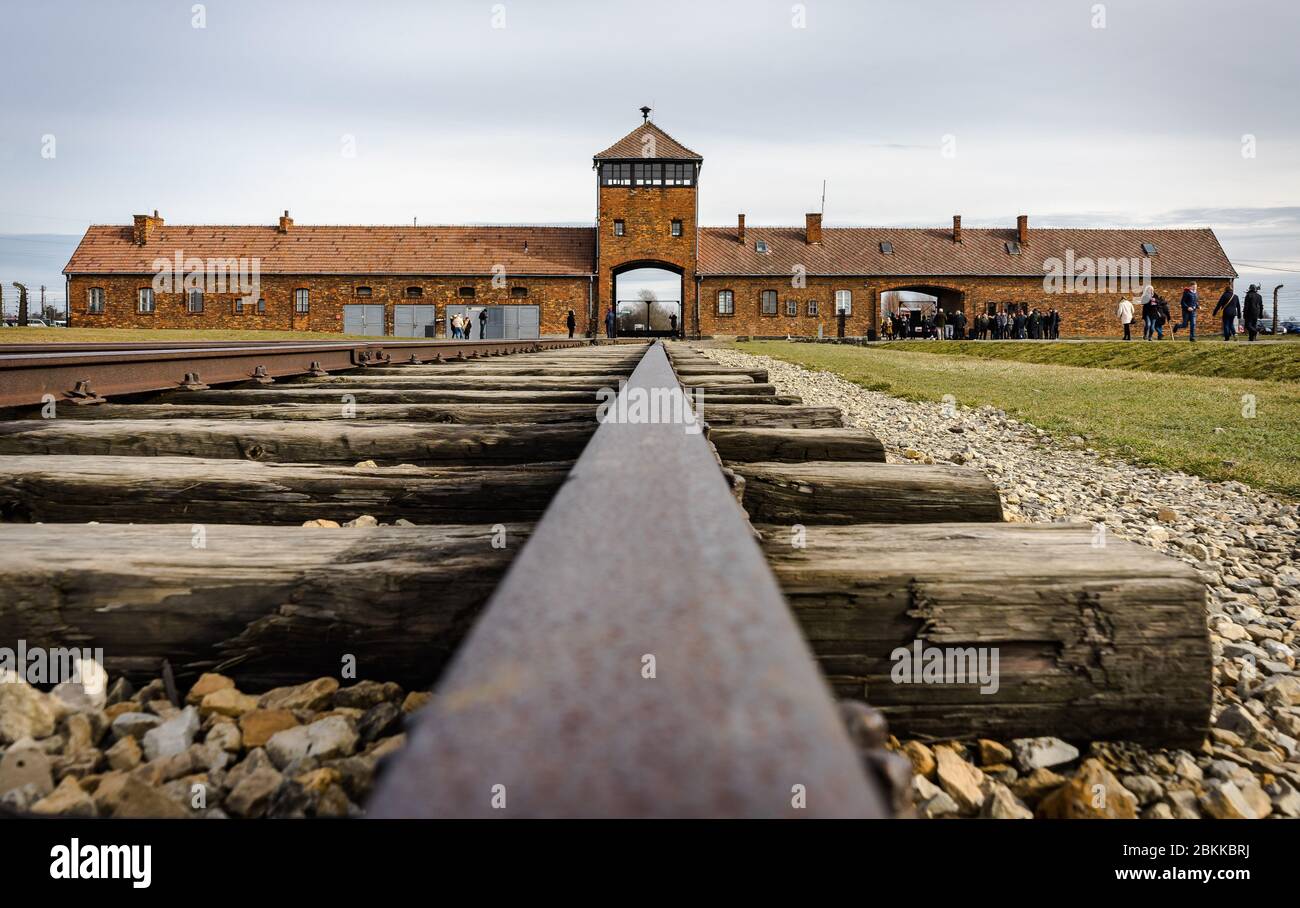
x=114 y=335
x=1164 y=420
x=1209 y=356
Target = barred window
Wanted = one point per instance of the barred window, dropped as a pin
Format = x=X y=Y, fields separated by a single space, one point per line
x=194 y=301
x=301 y=300
x=95 y=299
x=768 y=302
x=144 y=299
x=726 y=302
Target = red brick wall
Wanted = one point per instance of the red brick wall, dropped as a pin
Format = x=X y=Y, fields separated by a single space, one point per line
x=329 y=293
x=1082 y=315
x=647 y=213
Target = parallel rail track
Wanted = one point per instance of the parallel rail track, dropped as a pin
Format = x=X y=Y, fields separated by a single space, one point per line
x=607 y=631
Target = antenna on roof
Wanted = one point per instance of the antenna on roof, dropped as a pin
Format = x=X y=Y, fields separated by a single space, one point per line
x=823 y=209
x=645 y=114
x=415 y=222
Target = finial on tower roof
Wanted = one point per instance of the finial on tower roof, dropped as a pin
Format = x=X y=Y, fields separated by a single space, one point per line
x=645 y=115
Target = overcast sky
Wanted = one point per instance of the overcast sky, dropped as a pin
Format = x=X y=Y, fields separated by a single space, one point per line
x=911 y=110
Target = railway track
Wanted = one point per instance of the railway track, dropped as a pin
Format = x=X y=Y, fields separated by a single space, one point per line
x=607 y=632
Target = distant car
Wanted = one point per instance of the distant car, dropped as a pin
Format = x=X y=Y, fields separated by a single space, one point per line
x=32 y=322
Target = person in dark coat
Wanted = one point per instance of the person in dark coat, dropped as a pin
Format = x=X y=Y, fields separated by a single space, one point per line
x=672 y=324
x=1191 y=304
x=572 y=321
x=1253 y=311
x=611 y=322
x=1230 y=306
x=1018 y=326
x=1162 y=315
x=959 y=325
x=1056 y=324
x=482 y=323
x=1035 y=325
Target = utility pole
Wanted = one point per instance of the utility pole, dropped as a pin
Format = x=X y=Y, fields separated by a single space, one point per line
x=22 y=304
x=43 y=313
x=1275 y=324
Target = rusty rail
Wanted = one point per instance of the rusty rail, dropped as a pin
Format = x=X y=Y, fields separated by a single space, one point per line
x=81 y=375
x=637 y=660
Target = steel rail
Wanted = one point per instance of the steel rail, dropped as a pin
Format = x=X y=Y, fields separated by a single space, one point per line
x=638 y=659
x=88 y=376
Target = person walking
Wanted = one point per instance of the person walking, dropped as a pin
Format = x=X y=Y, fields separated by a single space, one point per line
x=1162 y=315
x=611 y=322
x=1125 y=314
x=1148 y=316
x=1191 y=304
x=1253 y=311
x=1230 y=306
x=571 y=322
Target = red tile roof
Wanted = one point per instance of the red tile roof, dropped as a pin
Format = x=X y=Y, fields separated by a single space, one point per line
x=347 y=250
x=925 y=251
x=635 y=145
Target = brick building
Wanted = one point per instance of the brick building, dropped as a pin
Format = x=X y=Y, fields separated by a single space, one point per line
x=735 y=280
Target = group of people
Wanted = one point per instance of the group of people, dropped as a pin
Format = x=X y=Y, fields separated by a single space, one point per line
x=1154 y=312
x=461 y=325
x=1020 y=322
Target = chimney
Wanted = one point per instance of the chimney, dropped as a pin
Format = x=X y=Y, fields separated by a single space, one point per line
x=956 y=228
x=1022 y=229
x=285 y=222
x=740 y=228
x=813 y=228
x=144 y=227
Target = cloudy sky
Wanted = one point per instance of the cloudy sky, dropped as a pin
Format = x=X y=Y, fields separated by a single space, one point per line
x=478 y=112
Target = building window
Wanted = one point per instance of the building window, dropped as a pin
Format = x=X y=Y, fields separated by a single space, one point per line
x=677 y=228
x=760 y=246
x=618 y=228
x=414 y=293
x=465 y=292
x=767 y=300
x=518 y=292
x=261 y=306
x=194 y=301
x=616 y=174
x=301 y=301
x=239 y=305
x=144 y=300
x=726 y=302
x=651 y=174
x=95 y=299
x=812 y=307
x=844 y=302
x=792 y=308
x=364 y=292
x=679 y=174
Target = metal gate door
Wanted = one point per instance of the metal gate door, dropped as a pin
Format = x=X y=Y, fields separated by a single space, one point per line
x=366 y=319
x=521 y=322
x=410 y=320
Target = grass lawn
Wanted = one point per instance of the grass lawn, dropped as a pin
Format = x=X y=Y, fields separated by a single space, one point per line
x=117 y=335
x=1210 y=356
x=1161 y=419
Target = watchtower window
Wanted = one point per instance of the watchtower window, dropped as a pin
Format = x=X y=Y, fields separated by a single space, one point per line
x=616 y=174
x=648 y=174
x=679 y=174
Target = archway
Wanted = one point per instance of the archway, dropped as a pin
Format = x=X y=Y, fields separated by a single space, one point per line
x=915 y=305
x=648 y=299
